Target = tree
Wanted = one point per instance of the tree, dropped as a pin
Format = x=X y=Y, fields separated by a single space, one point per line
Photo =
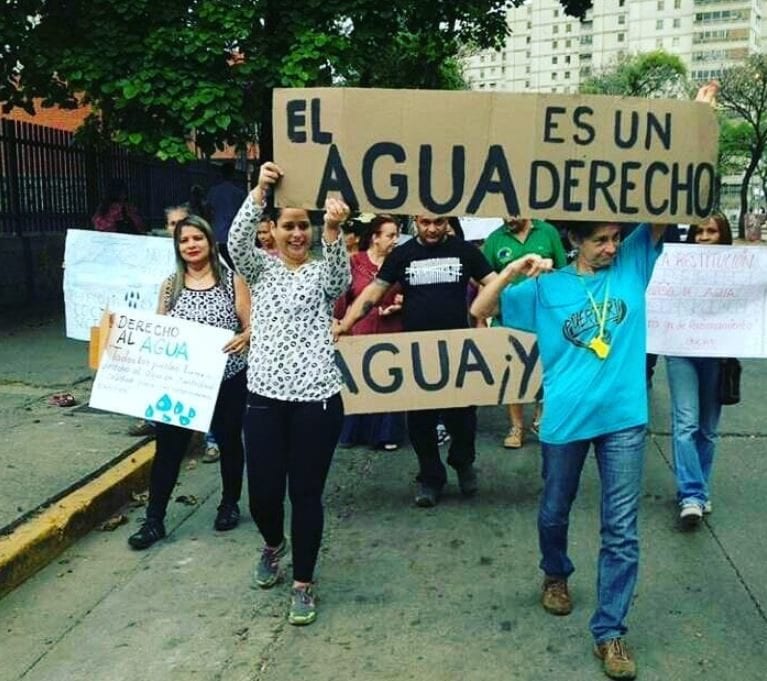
x=648 y=74
x=158 y=73
x=744 y=93
x=735 y=139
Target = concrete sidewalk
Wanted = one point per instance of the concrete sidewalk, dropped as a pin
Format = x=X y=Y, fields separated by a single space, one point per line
x=407 y=593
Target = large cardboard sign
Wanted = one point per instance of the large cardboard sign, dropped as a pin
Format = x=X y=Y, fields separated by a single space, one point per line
x=708 y=301
x=161 y=369
x=490 y=154
x=106 y=270
x=438 y=369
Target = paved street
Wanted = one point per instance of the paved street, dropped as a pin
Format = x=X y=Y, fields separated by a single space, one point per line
x=406 y=593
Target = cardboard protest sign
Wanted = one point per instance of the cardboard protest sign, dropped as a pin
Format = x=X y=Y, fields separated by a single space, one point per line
x=490 y=154
x=708 y=301
x=109 y=270
x=161 y=368
x=438 y=369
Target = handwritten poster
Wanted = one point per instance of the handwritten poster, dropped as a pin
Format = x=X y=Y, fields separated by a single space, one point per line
x=708 y=301
x=109 y=270
x=161 y=369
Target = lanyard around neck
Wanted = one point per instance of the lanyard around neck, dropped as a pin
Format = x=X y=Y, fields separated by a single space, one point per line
x=601 y=317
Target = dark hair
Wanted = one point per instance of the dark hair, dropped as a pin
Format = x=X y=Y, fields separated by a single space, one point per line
x=116 y=190
x=370 y=229
x=197 y=203
x=583 y=230
x=722 y=224
x=455 y=223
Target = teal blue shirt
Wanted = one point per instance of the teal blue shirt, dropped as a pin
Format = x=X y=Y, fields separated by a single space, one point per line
x=586 y=396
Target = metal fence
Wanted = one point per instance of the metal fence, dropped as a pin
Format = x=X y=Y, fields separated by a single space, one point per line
x=49 y=183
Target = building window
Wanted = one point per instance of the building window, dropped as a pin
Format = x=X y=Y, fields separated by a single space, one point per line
x=621 y=3
x=527 y=40
x=481 y=86
x=568 y=28
x=659 y=25
x=568 y=43
x=554 y=60
x=528 y=54
x=567 y=75
x=621 y=19
x=527 y=68
x=677 y=4
x=675 y=42
x=677 y=23
x=481 y=74
x=529 y=25
x=621 y=37
x=567 y=59
x=556 y=13
x=555 y=28
x=553 y=75
x=661 y=5
x=554 y=44
x=527 y=83
x=659 y=44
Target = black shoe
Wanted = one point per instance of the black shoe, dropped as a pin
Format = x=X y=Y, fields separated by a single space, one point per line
x=467 y=480
x=227 y=518
x=151 y=531
x=426 y=496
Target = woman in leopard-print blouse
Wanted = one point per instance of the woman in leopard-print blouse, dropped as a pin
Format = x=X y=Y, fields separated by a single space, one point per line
x=294 y=410
x=203 y=291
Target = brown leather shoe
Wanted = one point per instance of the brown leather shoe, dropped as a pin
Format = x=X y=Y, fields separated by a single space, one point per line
x=617 y=661
x=555 y=597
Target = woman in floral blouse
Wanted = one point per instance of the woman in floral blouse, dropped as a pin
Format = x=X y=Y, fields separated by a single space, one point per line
x=294 y=409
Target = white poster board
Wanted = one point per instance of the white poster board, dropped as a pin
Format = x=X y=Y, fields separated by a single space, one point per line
x=478 y=229
x=708 y=301
x=161 y=369
x=106 y=270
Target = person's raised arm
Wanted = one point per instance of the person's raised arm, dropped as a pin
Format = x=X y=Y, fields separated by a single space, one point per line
x=337 y=275
x=486 y=303
x=706 y=95
x=247 y=257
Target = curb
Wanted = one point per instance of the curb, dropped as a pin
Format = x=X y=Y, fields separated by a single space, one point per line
x=36 y=542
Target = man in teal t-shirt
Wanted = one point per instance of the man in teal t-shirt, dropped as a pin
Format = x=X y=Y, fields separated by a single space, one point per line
x=513 y=239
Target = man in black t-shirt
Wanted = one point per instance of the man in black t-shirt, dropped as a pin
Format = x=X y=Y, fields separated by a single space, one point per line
x=434 y=270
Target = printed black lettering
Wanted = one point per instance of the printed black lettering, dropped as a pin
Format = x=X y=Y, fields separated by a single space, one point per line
x=396 y=180
x=571 y=182
x=601 y=185
x=535 y=202
x=633 y=134
x=335 y=179
x=394 y=372
x=296 y=110
x=346 y=374
x=319 y=136
x=705 y=175
x=457 y=172
x=681 y=186
x=661 y=130
x=444 y=367
x=495 y=162
x=472 y=360
x=550 y=125
x=580 y=113
x=627 y=186
x=528 y=362
x=652 y=169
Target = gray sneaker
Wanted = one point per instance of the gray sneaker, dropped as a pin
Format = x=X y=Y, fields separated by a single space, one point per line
x=303 y=606
x=267 y=572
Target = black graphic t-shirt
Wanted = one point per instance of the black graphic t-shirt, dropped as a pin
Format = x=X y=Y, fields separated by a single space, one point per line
x=434 y=280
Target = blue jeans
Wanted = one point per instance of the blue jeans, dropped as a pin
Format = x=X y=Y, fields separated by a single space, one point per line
x=695 y=412
x=620 y=458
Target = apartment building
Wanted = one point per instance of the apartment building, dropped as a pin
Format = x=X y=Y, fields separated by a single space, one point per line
x=548 y=51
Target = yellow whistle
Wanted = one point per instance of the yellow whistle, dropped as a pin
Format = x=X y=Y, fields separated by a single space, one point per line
x=600 y=348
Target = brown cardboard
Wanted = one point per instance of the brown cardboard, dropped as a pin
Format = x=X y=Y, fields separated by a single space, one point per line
x=385 y=373
x=537 y=137
x=98 y=340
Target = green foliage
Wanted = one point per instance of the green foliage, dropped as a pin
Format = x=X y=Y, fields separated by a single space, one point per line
x=744 y=94
x=648 y=74
x=158 y=74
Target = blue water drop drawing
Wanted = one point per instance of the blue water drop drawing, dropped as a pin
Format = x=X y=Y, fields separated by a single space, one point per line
x=149 y=413
x=183 y=420
x=178 y=408
x=166 y=418
x=192 y=413
x=164 y=403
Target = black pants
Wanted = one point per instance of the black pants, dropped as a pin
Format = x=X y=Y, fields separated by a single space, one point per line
x=461 y=423
x=291 y=444
x=173 y=441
